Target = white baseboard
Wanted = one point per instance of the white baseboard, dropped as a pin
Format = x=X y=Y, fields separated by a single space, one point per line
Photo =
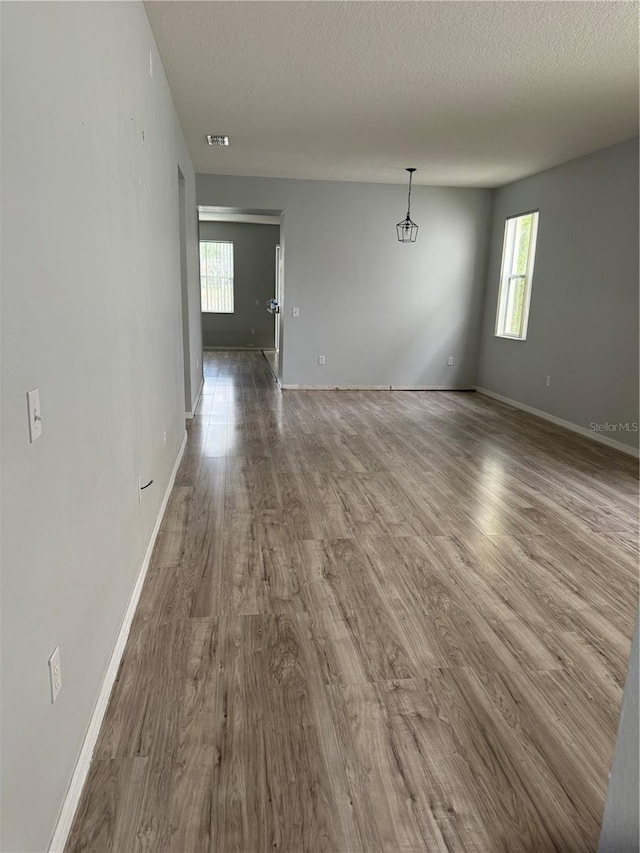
x=336 y=387
x=587 y=433
x=433 y=388
x=190 y=415
x=378 y=388
x=247 y=348
x=81 y=770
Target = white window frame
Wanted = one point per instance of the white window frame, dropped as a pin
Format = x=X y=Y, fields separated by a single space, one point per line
x=232 y=278
x=508 y=248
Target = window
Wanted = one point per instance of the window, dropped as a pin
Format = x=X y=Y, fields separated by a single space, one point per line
x=216 y=276
x=518 y=255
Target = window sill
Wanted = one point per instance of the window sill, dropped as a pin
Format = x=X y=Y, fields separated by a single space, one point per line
x=509 y=337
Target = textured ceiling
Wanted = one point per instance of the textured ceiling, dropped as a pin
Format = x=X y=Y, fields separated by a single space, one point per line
x=471 y=93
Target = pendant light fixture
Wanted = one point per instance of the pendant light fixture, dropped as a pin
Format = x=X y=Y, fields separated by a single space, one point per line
x=408 y=230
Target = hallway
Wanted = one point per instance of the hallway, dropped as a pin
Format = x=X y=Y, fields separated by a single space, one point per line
x=373 y=621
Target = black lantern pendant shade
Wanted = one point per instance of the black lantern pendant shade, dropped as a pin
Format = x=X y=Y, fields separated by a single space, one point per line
x=407 y=229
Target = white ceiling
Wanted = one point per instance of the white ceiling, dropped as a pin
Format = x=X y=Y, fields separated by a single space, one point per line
x=471 y=93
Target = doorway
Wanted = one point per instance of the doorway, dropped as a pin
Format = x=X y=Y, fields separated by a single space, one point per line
x=184 y=291
x=278 y=296
x=241 y=266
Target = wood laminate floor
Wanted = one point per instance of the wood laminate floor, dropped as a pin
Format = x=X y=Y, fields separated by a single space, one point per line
x=375 y=622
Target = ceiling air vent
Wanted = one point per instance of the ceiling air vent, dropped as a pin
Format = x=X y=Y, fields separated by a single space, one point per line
x=217 y=140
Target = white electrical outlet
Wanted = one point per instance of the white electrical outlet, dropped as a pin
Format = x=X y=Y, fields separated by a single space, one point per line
x=548 y=382
x=295 y=312
x=253 y=331
x=164 y=435
x=320 y=359
x=450 y=360
x=35 y=421
x=257 y=302
x=55 y=674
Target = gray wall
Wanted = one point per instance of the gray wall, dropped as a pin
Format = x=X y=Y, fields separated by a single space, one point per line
x=91 y=314
x=620 y=827
x=381 y=312
x=583 y=323
x=254 y=250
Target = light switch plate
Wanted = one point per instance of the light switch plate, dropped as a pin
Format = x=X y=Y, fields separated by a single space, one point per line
x=295 y=312
x=35 y=420
x=55 y=674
